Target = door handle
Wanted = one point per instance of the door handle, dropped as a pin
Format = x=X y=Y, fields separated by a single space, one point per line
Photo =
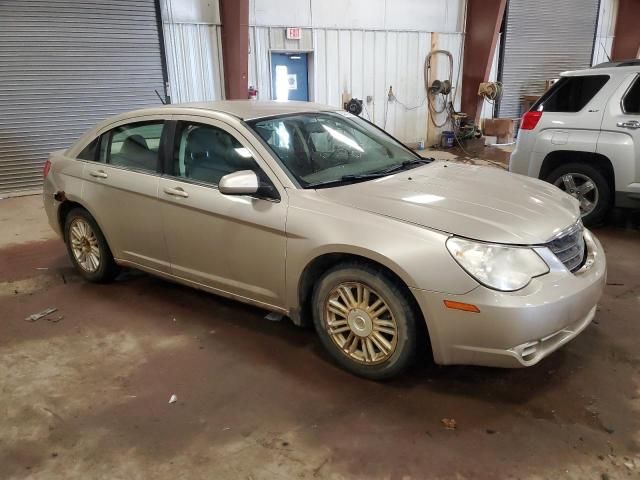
x=98 y=174
x=633 y=124
x=176 y=192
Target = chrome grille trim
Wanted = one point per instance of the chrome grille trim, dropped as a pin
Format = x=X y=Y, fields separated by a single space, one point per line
x=569 y=246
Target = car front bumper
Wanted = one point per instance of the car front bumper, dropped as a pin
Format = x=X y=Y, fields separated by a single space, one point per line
x=516 y=329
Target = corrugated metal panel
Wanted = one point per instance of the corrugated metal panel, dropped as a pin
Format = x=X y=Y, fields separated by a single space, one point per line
x=443 y=16
x=194 y=61
x=363 y=63
x=605 y=31
x=64 y=66
x=488 y=108
x=543 y=39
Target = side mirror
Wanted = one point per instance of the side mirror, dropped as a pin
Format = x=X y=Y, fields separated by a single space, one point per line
x=244 y=182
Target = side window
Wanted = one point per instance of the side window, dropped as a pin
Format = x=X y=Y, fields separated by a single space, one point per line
x=571 y=94
x=135 y=145
x=206 y=154
x=90 y=151
x=631 y=102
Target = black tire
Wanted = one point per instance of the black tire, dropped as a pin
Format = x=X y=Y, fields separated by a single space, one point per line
x=605 y=197
x=107 y=268
x=396 y=299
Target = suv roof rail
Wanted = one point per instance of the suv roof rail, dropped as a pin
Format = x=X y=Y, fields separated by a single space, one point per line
x=632 y=62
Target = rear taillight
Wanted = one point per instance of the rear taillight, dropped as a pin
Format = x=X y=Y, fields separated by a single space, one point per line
x=47 y=167
x=530 y=120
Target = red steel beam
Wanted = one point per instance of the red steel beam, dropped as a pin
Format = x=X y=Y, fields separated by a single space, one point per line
x=484 y=18
x=626 y=40
x=234 y=16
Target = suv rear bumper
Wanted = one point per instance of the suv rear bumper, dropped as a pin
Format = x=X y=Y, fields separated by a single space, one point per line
x=516 y=329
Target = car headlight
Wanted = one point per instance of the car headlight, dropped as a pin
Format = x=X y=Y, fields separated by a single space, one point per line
x=497 y=266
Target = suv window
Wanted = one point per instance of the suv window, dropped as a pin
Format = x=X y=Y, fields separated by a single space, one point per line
x=631 y=102
x=135 y=145
x=206 y=154
x=571 y=94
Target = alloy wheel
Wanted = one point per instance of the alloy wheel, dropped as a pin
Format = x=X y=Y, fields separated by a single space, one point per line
x=360 y=323
x=84 y=245
x=582 y=188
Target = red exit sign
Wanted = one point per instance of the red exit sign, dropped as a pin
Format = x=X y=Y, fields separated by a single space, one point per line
x=294 y=33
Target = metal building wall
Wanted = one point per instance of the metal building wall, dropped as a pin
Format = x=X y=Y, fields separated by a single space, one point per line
x=64 y=66
x=193 y=48
x=364 y=63
x=543 y=39
x=605 y=31
x=362 y=47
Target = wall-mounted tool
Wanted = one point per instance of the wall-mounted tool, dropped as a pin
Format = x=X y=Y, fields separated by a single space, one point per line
x=438 y=91
x=354 y=106
x=490 y=91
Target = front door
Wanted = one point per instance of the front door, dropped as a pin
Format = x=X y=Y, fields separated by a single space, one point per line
x=234 y=244
x=289 y=76
x=121 y=192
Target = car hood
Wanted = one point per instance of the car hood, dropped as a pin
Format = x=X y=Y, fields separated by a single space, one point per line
x=482 y=203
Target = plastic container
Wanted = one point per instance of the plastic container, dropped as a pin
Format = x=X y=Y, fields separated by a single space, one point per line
x=447 y=138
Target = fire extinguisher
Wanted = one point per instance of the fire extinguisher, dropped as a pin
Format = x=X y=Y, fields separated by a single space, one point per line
x=253 y=93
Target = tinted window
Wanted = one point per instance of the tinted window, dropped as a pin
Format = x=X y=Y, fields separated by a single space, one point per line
x=631 y=102
x=206 y=154
x=325 y=147
x=90 y=151
x=571 y=94
x=135 y=145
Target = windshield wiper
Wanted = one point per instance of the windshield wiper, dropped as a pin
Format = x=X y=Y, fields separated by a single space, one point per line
x=352 y=178
x=345 y=179
x=404 y=165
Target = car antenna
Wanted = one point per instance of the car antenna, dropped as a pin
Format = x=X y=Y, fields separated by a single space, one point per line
x=160 y=97
x=605 y=52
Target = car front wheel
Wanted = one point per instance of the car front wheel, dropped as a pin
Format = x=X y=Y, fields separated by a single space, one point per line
x=365 y=320
x=588 y=185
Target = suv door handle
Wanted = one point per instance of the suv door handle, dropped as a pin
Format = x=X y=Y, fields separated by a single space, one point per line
x=633 y=124
x=176 y=192
x=98 y=174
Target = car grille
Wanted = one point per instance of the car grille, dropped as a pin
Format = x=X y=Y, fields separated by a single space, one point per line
x=569 y=247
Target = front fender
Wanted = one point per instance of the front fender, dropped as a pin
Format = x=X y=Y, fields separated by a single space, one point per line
x=417 y=255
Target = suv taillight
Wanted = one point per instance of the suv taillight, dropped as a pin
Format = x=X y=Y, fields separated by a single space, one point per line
x=530 y=120
x=47 y=167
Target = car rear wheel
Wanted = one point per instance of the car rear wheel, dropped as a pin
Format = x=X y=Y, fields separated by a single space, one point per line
x=588 y=185
x=365 y=321
x=88 y=248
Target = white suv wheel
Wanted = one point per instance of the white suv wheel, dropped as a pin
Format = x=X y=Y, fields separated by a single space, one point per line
x=582 y=188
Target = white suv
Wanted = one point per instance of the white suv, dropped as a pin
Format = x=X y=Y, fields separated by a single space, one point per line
x=583 y=135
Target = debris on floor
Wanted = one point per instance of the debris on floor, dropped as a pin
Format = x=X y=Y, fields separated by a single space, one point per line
x=173 y=398
x=55 y=319
x=37 y=316
x=449 y=423
x=274 y=317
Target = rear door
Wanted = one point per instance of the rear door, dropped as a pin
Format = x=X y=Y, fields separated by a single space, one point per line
x=234 y=244
x=121 y=191
x=620 y=139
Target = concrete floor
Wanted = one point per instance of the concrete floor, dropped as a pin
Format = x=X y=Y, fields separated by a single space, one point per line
x=87 y=396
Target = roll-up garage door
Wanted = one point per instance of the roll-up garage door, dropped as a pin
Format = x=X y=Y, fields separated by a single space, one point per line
x=543 y=38
x=64 y=66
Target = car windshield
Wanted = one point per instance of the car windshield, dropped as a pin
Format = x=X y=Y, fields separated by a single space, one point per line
x=329 y=149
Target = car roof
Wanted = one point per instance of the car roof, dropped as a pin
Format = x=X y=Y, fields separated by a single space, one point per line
x=242 y=109
x=619 y=67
